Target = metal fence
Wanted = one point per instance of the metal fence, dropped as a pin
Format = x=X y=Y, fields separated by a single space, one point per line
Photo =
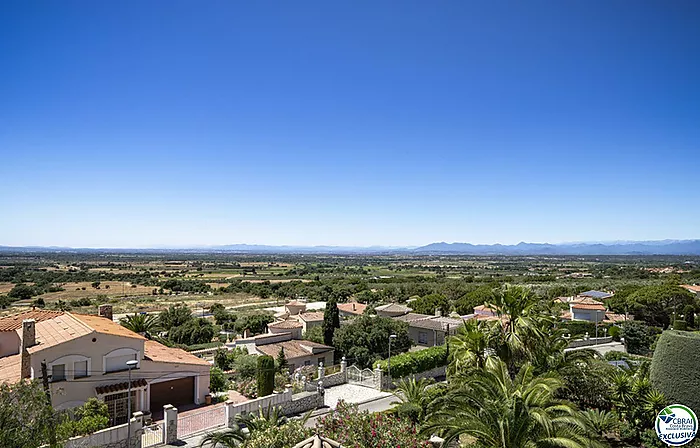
x=364 y=377
x=152 y=435
x=202 y=420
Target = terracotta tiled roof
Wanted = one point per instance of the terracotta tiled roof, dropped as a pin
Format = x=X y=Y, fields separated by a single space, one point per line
x=613 y=318
x=285 y=324
x=566 y=315
x=311 y=317
x=352 y=308
x=111 y=388
x=586 y=300
x=106 y=326
x=157 y=352
x=410 y=317
x=393 y=308
x=62 y=328
x=14 y=322
x=56 y=327
x=10 y=369
x=482 y=308
x=588 y=306
x=692 y=288
x=293 y=349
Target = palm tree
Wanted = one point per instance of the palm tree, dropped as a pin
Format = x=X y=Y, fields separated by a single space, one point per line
x=246 y=425
x=600 y=422
x=469 y=347
x=140 y=323
x=498 y=411
x=413 y=398
x=524 y=325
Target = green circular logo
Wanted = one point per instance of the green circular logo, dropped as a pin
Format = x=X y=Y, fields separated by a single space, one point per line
x=676 y=425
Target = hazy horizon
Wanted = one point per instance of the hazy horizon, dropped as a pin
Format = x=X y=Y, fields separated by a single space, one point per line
x=136 y=125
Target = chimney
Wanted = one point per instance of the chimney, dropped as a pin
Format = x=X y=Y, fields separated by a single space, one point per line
x=246 y=333
x=105 y=311
x=353 y=306
x=438 y=312
x=28 y=340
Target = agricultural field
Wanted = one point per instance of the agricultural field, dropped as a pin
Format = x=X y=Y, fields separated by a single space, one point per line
x=135 y=282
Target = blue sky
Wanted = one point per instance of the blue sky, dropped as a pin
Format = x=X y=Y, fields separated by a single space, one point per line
x=142 y=124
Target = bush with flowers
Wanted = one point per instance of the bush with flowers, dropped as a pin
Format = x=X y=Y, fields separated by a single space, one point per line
x=360 y=429
x=283 y=436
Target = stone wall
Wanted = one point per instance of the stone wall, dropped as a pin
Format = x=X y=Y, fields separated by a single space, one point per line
x=590 y=341
x=254 y=405
x=303 y=402
x=335 y=379
x=114 y=437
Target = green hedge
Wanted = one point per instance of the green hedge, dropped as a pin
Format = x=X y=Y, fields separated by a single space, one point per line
x=675 y=368
x=409 y=363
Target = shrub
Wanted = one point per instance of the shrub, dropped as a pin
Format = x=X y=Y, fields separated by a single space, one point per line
x=580 y=327
x=409 y=363
x=353 y=428
x=283 y=436
x=217 y=380
x=614 y=332
x=637 y=336
x=680 y=325
x=266 y=375
x=674 y=367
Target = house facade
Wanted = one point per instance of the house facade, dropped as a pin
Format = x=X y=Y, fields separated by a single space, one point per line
x=86 y=357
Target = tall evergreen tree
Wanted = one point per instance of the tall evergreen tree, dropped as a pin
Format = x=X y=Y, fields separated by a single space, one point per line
x=331 y=320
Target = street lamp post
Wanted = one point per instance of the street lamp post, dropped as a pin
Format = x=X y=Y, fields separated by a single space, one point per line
x=130 y=365
x=388 y=362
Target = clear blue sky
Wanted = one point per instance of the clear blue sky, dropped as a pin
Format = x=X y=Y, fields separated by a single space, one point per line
x=142 y=124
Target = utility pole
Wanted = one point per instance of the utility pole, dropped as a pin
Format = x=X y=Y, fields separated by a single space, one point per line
x=47 y=391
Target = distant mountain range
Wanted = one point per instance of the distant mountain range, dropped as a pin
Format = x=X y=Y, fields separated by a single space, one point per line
x=663 y=247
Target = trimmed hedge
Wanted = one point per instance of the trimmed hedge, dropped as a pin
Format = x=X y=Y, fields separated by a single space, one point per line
x=409 y=363
x=266 y=375
x=675 y=367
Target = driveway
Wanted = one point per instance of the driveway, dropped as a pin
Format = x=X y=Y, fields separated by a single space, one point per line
x=351 y=393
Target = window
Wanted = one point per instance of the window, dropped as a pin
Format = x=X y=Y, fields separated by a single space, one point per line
x=321 y=360
x=58 y=372
x=115 y=361
x=422 y=337
x=307 y=363
x=80 y=369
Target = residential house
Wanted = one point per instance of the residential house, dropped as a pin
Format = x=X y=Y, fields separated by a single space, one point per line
x=592 y=312
x=309 y=320
x=294 y=307
x=297 y=352
x=392 y=310
x=351 y=309
x=292 y=326
x=86 y=356
x=428 y=331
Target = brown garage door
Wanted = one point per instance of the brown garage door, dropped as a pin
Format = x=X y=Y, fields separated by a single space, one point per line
x=176 y=392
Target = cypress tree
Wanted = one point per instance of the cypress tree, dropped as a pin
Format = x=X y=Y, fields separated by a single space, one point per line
x=331 y=320
x=266 y=375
